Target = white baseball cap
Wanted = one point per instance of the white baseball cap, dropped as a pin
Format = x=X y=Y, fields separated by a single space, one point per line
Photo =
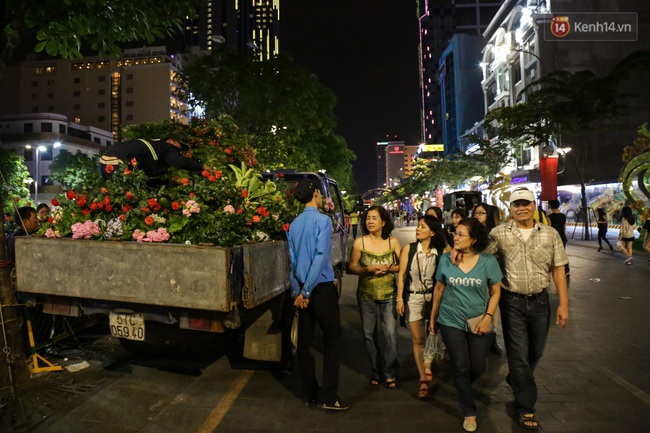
x=522 y=194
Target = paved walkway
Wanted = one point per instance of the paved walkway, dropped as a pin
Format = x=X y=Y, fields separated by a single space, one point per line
x=594 y=377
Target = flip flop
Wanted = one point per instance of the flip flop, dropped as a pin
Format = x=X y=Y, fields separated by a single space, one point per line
x=528 y=418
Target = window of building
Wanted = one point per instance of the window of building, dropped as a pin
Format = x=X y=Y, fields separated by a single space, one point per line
x=76 y=107
x=28 y=127
x=28 y=154
x=101 y=92
x=129 y=117
x=46 y=155
x=128 y=62
x=34 y=97
x=102 y=65
x=76 y=80
x=77 y=120
x=50 y=83
x=76 y=93
x=101 y=78
x=129 y=103
x=77 y=66
x=129 y=76
x=61 y=129
x=129 y=90
x=39 y=70
x=101 y=119
x=101 y=105
x=50 y=69
x=46 y=127
x=97 y=140
x=50 y=96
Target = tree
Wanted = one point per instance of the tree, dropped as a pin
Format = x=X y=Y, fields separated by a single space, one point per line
x=67 y=28
x=286 y=111
x=73 y=171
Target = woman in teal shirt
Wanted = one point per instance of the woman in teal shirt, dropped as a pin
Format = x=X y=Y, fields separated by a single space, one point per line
x=463 y=291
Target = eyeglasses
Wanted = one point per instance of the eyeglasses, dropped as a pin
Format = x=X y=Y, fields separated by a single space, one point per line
x=460 y=235
x=480 y=213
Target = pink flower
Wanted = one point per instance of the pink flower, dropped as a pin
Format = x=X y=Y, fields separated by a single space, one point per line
x=49 y=233
x=229 y=209
x=86 y=230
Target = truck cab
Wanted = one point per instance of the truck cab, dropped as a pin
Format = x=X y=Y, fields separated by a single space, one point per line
x=330 y=189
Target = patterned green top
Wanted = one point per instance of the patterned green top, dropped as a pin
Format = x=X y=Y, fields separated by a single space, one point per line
x=377 y=287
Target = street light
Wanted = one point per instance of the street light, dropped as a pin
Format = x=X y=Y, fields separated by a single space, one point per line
x=39 y=149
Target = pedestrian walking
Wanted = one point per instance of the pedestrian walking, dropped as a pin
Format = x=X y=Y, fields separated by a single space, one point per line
x=531 y=253
x=417 y=272
x=354 y=221
x=646 y=227
x=465 y=300
x=601 y=221
x=315 y=295
x=375 y=258
x=557 y=220
x=626 y=234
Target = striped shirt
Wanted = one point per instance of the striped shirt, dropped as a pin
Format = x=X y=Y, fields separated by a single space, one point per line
x=527 y=263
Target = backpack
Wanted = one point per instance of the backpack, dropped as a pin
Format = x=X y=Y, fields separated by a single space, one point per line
x=540 y=216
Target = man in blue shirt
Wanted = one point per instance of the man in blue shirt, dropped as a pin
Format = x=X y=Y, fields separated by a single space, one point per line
x=314 y=293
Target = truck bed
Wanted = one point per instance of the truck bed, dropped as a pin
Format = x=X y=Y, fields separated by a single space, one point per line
x=174 y=275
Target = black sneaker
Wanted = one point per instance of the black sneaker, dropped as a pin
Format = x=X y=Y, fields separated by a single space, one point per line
x=335 y=405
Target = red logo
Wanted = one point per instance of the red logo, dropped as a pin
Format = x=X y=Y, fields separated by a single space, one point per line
x=560 y=26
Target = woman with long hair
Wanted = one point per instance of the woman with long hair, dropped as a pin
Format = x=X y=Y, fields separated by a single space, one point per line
x=415 y=281
x=456 y=215
x=601 y=220
x=465 y=291
x=374 y=258
x=626 y=235
x=488 y=215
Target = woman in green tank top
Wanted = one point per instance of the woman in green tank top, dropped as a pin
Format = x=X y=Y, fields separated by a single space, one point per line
x=375 y=259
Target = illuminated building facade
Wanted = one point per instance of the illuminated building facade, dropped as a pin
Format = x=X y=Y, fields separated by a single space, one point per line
x=245 y=24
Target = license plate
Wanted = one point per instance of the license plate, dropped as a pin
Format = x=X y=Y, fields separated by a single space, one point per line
x=127 y=325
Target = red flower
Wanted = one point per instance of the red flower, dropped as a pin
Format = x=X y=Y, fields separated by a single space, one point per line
x=134 y=162
x=55 y=202
x=50 y=220
x=104 y=191
x=100 y=205
x=185 y=181
x=262 y=211
x=212 y=178
x=109 y=169
x=217 y=174
x=286 y=226
x=127 y=171
x=108 y=208
x=107 y=200
x=123 y=217
x=256 y=219
x=92 y=206
x=192 y=194
x=153 y=202
x=70 y=194
x=149 y=220
x=129 y=196
x=85 y=212
x=205 y=173
x=126 y=208
x=176 y=205
x=228 y=151
x=82 y=201
x=244 y=193
x=240 y=210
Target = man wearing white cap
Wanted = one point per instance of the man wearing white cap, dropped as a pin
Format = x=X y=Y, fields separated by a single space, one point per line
x=531 y=253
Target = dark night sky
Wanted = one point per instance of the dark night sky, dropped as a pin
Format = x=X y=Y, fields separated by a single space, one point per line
x=365 y=51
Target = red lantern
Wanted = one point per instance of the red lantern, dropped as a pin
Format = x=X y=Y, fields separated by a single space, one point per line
x=548 y=175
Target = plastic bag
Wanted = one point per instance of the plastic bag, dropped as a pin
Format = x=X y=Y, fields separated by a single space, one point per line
x=619 y=245
x=434 y=350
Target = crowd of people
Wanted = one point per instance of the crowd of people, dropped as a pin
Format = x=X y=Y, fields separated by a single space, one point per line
x=462 y=279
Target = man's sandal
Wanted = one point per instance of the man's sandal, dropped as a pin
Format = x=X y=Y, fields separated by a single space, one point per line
x=391 y=383
x=374 y=382
x=528 y=422
x=423 y=391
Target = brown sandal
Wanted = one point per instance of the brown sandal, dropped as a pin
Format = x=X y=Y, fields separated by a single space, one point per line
x=423 y=391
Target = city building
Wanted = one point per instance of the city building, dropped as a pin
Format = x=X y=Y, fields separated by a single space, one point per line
x=40 y=137
x=244 y=24
x=107 y=94
x=439 y=21
x=461 y=96
x=390 y=163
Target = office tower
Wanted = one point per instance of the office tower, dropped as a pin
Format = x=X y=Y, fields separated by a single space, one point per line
x=244 y=24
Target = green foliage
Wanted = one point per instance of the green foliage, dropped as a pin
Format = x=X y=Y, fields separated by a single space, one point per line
x=73 y=171
x=14 y=180
x=286 y=111
x=640 y=146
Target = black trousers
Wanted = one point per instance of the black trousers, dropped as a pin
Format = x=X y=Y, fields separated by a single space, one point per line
x=323 y=310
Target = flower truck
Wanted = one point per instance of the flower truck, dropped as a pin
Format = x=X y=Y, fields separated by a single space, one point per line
x=207 y=254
